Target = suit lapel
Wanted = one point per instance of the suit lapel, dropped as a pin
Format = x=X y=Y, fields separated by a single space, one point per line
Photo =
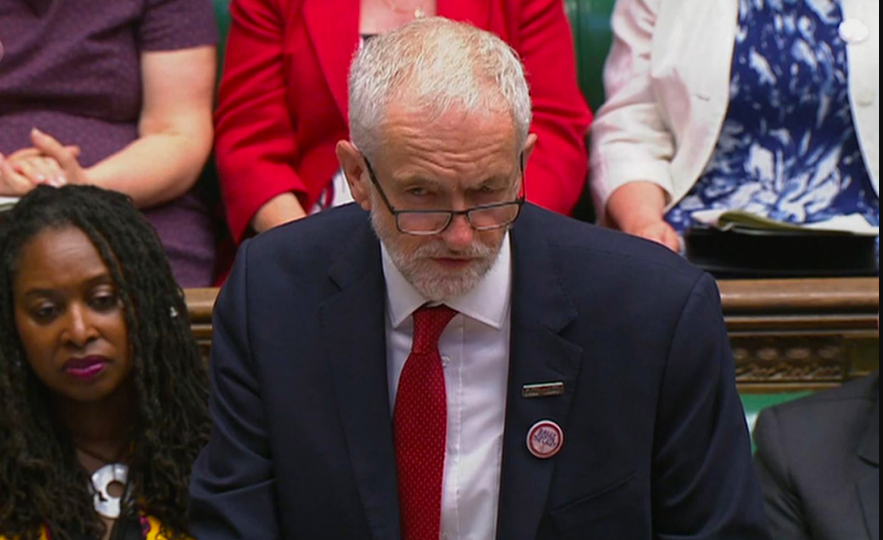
x=869 y=495
x=869 y=450
x=333 y=26
x=869 y=488
x=540 y=311
x=359 y=370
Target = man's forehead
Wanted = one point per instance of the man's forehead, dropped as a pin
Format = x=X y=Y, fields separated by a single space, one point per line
x=443 y=174
x=412 y=129
x=435 y=117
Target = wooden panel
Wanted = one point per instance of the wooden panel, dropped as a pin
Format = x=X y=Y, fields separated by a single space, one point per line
x=200 y=303
x=787 y=335
x=802 y=334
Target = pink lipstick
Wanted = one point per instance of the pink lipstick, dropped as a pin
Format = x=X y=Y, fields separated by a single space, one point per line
x=86 y=368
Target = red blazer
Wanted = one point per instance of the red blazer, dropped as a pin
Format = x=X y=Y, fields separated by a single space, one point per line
x=283 y=97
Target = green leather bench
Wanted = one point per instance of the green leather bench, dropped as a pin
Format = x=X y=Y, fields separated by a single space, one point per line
x=222 y=12
x=590 y=21
x=592 y=36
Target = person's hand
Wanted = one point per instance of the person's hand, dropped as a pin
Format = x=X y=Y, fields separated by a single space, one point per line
x=59 y=162
x=658 y=231
x=13 y=183
x=28 y=168
x=39 y=168
x=280 y=210
x=637 y=209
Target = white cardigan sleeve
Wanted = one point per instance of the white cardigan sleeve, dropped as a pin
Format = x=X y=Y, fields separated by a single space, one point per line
x=631 y=140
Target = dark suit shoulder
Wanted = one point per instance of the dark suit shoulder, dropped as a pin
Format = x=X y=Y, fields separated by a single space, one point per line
x=586 y=241
x=834 y=420
x=315 y=241
x=602 y=263
x=860 y=393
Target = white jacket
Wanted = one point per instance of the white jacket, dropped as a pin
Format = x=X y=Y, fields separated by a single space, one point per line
x=668 y=88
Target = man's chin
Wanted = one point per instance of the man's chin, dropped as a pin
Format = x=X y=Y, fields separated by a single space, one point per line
x=454 y=267
x=445 y=290
x=447 y=280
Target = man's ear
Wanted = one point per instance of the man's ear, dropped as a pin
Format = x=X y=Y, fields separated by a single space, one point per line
x=529 y=146
x=353 y=165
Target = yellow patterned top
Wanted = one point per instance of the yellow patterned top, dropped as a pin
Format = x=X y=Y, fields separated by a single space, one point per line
x=151 y=530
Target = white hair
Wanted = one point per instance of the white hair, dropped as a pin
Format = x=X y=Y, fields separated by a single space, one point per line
x=437 y=64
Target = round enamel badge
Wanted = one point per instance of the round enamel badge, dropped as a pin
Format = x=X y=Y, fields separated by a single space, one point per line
x=545 y=439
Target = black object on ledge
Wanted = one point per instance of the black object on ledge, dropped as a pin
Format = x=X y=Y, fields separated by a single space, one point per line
x=745 y=253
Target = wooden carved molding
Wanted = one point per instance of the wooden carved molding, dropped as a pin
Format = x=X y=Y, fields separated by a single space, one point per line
x=802 y=334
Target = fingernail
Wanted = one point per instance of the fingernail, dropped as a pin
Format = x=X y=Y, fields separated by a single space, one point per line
x=60 y=180
x=42 y=179
x=37 y=132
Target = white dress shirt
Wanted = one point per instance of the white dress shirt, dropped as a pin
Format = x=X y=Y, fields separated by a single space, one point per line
x=475 y=354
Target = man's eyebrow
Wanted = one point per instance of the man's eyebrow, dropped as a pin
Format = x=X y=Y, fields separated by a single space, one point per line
x=495 y=180
x=418 y=179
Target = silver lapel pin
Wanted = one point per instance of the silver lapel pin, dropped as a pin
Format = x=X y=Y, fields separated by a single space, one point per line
x=542 y=390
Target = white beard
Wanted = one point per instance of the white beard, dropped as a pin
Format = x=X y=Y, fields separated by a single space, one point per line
x=436 y=284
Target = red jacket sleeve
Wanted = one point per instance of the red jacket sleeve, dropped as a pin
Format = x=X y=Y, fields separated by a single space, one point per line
x=556 y=175
x=255 y=144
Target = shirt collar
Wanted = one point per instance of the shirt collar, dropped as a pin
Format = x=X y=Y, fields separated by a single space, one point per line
x=487 y=303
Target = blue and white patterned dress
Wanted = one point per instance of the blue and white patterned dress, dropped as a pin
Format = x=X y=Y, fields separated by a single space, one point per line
x=789 y=148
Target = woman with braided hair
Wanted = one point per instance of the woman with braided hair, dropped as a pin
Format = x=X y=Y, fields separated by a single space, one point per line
x=104 y=393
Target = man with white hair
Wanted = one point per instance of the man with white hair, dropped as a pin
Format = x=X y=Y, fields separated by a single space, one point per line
x=442 y=360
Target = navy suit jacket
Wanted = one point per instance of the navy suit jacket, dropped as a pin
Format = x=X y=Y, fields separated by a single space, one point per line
x=302 y=448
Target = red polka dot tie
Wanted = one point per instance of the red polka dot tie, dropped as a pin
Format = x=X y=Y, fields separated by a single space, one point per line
x=421 y=427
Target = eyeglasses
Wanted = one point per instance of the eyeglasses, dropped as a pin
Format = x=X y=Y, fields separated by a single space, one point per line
x=486 y=217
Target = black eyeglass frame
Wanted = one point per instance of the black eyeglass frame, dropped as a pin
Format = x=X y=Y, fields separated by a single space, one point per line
x=397 y=214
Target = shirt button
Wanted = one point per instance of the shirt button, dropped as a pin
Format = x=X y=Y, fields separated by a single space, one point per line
x=867 y=98
x=446 y=361
x=854 y=31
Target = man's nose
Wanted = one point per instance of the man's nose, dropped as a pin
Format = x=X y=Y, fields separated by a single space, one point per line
x=459 y=235
x=79 y=329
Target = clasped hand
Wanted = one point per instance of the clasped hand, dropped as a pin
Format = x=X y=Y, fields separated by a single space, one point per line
x=47 y=163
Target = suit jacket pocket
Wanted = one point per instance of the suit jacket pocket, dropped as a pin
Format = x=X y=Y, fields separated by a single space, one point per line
x=619 y=504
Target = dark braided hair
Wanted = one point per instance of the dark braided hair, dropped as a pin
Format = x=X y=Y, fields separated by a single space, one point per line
x=41 y=481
